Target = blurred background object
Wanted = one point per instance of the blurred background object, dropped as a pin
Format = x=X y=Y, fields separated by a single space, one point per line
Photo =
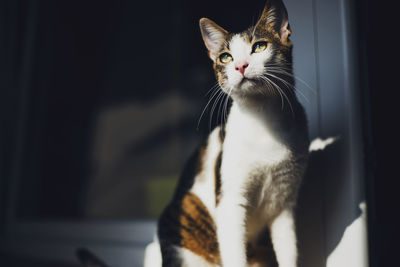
x=100 y=104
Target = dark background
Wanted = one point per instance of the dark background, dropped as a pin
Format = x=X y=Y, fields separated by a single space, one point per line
x=71 y=76
x=379 y=78
x=70 y=60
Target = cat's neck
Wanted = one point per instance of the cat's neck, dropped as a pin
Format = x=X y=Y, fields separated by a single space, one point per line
x=283 y=121
x=268 y=109
x=279 y=96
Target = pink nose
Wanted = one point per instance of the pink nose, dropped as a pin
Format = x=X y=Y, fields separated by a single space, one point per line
x=242 y=67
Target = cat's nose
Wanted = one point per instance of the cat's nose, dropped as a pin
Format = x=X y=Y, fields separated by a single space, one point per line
x=241 y=67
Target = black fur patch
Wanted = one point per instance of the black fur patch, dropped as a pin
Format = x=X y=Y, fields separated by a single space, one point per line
x=218 y=178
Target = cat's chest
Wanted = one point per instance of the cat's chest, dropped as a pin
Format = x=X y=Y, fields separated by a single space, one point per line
x=254 y=146
x=251 y=144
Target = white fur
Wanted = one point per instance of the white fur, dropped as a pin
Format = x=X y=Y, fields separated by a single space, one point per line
x=189 y=259
x=244 y=152
x=241 y=53
x=204 y=186
x=283 y=236
x=320 y=144
x=251 y=137
x=231 y=230
x=153 y=258
x=152 y=255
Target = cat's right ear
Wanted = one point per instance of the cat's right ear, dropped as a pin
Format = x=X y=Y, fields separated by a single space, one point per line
x=213 y=36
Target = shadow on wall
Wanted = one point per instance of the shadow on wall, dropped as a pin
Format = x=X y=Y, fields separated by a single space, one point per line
x=318 y=246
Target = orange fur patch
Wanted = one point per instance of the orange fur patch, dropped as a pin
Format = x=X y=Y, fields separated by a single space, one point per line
x=198 y=233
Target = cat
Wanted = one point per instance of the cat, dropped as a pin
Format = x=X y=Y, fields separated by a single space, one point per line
x=234 y=203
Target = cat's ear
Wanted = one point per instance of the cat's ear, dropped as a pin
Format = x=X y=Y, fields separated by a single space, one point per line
x=275 y=17
x=213 y=36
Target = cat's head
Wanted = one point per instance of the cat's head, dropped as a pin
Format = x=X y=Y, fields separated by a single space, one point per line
x=248 y=63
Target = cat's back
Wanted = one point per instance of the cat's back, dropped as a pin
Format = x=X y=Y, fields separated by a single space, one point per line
x=187 y=224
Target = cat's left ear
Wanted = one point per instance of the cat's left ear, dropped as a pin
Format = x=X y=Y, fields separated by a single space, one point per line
x=275 y=17
x=213 y=36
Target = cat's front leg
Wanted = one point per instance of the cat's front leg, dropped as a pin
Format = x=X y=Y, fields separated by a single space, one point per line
x=230 y=222
x=283 y=236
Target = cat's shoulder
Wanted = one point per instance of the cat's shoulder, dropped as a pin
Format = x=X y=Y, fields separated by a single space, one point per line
x=199 y=160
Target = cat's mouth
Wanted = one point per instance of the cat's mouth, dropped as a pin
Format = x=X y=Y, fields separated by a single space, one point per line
x=250 y=86
x=247 y=82
x=247 y=79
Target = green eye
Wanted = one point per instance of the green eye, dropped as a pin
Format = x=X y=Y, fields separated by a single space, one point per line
x=225 y=58
x=259 y=47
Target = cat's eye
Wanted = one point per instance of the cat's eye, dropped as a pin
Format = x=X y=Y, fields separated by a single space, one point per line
x=225 y=58
x=259 y=47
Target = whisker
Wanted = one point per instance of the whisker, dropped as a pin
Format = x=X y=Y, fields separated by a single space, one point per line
x=218 y=98
x=221 y=109
x=281 y=91
x=268 y=81
x=289 y=86
x=284 y=71
x=215 y=86
x=208 y=103
x=226 y=105
x=286 y=83
x=300 y=91
x=304 y=96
